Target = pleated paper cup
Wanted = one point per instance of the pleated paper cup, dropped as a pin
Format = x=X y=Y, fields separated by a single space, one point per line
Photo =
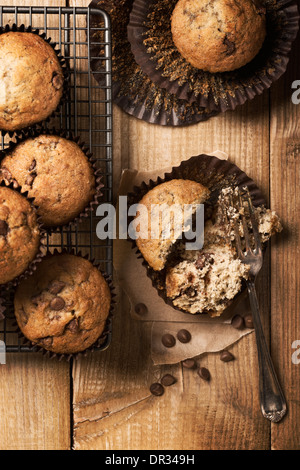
x=132 y=90
x=150 y=36
x=211 y=172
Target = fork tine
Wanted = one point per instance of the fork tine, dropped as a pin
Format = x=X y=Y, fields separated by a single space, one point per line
x=244 y=221
x=237 y=236
x=256 y=235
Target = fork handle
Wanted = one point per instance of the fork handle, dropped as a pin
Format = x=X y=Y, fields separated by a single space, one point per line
x=272 y=401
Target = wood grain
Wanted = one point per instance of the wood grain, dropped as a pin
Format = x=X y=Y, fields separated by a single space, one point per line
x=34 y=392
x=285 y=285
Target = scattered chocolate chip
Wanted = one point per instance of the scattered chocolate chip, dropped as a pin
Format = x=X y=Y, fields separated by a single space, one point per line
x=57 y=303
x=73 y=325
x=249 y=321
x=3 y=228
x=226 y=356
x=30 y=179
x=168 y=380
x=33 y=165
x=184 y=336
x=56 y=287
x=238 y=322
x=57 y=80
x=189 y=363
x=168 y=340
x=204 y=373
x=141 y=309
x=157 y=389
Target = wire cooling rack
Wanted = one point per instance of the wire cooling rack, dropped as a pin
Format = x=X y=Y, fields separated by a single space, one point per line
x=87 y=113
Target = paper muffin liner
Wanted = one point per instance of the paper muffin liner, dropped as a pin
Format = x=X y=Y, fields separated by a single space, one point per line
x=132 y=90
x=35 y=132
x=41 y=250
x=104 y=340
x=149 y=32
x=28 y=29
x=211 y=172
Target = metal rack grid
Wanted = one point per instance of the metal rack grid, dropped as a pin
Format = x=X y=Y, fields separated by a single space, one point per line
x=87 y=113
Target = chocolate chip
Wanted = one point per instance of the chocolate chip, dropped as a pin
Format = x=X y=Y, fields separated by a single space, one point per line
x=57 y=303
x=3 y=228
x=56 y=286
x=168 y=340
x=73 y=325
x=226 y=356
x=238 y=322
x=30 y=179
x=141 y=309
x=189 y=363
x=204 y=373
x=157 y=389
x=6 y=174
x=36 y=298
x=230 y=46
x=249 y=321
x=23 y=316
x=46 y=342
x=203 y=259
x=57 y=80
x=168 y=380
x=33 y=165
x=184 y=336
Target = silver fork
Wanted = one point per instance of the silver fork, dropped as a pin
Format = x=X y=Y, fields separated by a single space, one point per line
x=272 y=400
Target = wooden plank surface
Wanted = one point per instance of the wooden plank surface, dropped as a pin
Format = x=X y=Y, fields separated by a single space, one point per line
x=111 y=404
x=285 y=285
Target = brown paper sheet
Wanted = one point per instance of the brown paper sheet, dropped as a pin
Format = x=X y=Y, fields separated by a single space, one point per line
x=208 y=334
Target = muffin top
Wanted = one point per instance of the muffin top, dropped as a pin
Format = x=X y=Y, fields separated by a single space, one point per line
x=64 y=305
x=56 y=172
x=19 y=234
x=31 y=80
x=155 y=247
x=218 y=35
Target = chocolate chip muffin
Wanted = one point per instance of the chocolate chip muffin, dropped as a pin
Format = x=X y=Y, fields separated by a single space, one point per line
x=207 y=280
x=19 y=234
x=64 y=305
x=31 y=80
x=218 y=35
x=56 y=172
x=179 y=193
